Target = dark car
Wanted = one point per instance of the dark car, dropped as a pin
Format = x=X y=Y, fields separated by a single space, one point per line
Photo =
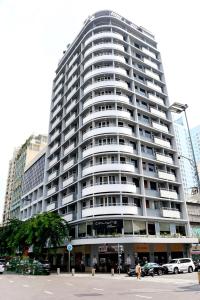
x=152 y=269
x=149 y=269
x=131 y=272
x=41 y=267
x=197 y=265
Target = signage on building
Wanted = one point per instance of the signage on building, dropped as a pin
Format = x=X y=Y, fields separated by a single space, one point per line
x=141 y=248
x=109 y=248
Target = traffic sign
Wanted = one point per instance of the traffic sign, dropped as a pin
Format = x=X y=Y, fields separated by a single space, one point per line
x=69 y=247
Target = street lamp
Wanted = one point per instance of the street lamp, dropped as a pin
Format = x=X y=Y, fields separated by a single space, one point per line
x=178 y=108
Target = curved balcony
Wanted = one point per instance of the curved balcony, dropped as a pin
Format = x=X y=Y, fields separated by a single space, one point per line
x=104 y=46
x=107 y=130
x=107 y=113
x=105 y=98
x=110 y=210
x=104 y=57
x=115 y=166
x=104 y=70
x=105 y=34
x=108 y=148
x=105 y=83
x=109 y=187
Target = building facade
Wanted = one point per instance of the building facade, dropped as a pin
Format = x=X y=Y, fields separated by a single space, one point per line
x=185 y=153
x=33 y=187
x=9 y=188
x=25 y=154
x=112 y=168
x=195 y=134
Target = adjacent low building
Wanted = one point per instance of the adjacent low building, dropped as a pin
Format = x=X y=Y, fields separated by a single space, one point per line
x=33 y=187
x=24 y=155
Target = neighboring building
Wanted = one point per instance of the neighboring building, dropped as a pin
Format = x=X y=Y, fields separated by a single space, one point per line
x=33 y=186
x=25 y=154
x=9 y=188
x=195 y=134
x=112 y=168
x=185 y=151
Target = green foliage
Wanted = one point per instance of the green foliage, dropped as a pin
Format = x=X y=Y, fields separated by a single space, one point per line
x=42 y=231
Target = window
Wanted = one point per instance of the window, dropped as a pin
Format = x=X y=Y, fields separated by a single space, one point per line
x=128 y=227
x=164 y=229
x=139 y=228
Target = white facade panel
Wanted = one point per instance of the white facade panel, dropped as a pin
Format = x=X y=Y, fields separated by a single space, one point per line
x=168 y=194
x=67 y=199
x=164 y=158
x=167 y=176
x=108 y=148
x=106 y=130
x=51 y=206
x=105 y=98
x=106 y=113
x=105 y=34
x=169 y=213
x=110 y=210
x=103 y=188
x=161 y=142
x=106 y=167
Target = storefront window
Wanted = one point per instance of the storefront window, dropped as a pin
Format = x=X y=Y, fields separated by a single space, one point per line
x=164 y=229
x=139 y=228
x=128 y=227
x=110 y=227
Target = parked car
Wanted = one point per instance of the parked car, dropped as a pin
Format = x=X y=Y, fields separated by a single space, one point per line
x=179 y=265
x=3 y=261
x=44 y=266
x=152 y=269
x=197 y=265
x=2 y=268
x=131 y=272
x=149 y=269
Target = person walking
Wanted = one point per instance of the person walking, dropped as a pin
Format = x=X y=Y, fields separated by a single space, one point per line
x=138 y=271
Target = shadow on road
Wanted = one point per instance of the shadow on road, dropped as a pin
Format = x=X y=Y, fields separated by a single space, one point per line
x=190 y=288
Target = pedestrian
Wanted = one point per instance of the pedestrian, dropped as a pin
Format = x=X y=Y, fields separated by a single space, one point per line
x=138 y=271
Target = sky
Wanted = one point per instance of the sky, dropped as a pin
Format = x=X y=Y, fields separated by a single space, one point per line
x=34 y=33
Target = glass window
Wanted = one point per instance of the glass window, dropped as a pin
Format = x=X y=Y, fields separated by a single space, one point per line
x=82 y=230
x=139 y=228
x=164 y=228
x=128 y=227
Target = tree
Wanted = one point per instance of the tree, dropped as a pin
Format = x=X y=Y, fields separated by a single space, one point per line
x=47 y=230
x=42 y=231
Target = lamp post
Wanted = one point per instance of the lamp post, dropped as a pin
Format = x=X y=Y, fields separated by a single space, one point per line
x=178 y=108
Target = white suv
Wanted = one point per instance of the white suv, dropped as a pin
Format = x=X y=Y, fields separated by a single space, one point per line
x=179 y=265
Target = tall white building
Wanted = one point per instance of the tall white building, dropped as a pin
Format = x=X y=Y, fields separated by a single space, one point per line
x=112 y=169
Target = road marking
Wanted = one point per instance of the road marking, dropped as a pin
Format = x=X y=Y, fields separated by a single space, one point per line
x=98 y=289
x=49 y=280
x=145 y=297
x=68 y=283
x=11 y=281
x=48 y=292
x=26 y=285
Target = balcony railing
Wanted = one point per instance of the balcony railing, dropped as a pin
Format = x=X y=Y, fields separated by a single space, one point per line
x=170 y=213
x=116 y=209
x=170 y=194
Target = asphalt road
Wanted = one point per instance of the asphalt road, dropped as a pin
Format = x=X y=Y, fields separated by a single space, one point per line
x=101 y=286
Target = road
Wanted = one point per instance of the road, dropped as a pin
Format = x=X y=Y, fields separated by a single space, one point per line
x=101 y=286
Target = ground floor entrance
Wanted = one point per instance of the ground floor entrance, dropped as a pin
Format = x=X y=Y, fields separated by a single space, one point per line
x=117 y=256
